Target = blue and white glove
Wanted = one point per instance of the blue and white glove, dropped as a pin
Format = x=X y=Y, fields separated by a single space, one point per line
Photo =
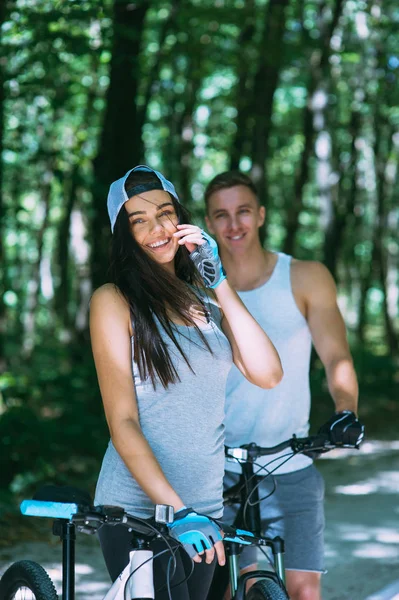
x=207 y=260
x=344 y=428
x=196 y=532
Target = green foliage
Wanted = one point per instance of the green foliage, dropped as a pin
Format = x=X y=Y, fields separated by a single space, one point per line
x=328 y=171
x=52 y=426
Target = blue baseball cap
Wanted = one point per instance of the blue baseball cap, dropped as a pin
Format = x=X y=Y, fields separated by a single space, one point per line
x=117 y=195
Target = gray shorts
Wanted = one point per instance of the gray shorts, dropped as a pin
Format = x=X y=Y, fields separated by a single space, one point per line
x=295 y=511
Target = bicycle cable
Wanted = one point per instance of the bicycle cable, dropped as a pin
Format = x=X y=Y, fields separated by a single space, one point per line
x=248 y=502
x=273 y=566
x=168 y=575
x=153 y=557
x=186 y=578
x=262 y=479
x=168 y=549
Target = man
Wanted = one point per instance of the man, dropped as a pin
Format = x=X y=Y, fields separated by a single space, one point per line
x=296 y=303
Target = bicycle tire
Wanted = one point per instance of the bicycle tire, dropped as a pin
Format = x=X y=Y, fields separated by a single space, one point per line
x=28 y=575
x=266 y=589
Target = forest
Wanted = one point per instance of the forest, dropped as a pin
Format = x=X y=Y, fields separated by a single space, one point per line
x=302 y=95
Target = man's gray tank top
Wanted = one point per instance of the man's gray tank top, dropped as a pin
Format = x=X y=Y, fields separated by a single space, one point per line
x=182 y=424
x=268 y=417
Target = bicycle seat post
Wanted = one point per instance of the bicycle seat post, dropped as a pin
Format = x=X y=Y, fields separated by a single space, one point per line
x=67 y=533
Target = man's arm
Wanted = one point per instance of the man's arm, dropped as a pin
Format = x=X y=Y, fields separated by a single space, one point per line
x=316 y=294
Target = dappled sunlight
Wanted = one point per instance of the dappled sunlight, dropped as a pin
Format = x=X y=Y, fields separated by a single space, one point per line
x=87 y=579
x=93 y=587
x=388 y=536
x=357 y=489
x=54 y=572
x=362 y=521
x=386 y=482
x=363 y=533
x=377 y=551
x=368 y=447
x=362 y=541
x=355 y=536
x=83 y=569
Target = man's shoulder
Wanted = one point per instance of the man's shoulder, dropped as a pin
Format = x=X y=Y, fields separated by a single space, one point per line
x=311 y=276
x=310 y=269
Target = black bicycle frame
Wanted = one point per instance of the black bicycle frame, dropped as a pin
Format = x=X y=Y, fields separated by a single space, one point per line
x=67 y=533
x=251 y=521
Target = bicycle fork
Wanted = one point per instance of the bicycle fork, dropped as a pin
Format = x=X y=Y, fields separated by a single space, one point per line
x=237 y=582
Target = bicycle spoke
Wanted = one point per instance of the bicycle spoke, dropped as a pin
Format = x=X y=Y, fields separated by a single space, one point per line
x=24 y=593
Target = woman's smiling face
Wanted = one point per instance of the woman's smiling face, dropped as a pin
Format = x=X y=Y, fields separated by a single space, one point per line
x=153 y=220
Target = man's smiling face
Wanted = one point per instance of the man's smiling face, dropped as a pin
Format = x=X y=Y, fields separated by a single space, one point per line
x=234 y=217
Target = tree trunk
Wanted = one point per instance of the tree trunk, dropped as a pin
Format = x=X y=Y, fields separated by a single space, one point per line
x=265 y=85
x=186 y=126
x=62 y=296
x=35 y=279
x=70 y=184
x=3 y=264
x=243 y=103
x=344 y=205
x=380 y=258
x=120 y=145
x=318 y=64
x=167 y=27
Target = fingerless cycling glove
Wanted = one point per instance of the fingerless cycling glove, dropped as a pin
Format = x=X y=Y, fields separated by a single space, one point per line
x=207 y=260
x=196 y=532
x=344 y=428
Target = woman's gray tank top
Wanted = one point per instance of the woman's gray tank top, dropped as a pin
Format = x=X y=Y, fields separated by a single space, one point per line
x=268 y=417
x=183 y=425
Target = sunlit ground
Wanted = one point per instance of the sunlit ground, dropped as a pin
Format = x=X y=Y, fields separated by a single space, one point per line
x=362 y=513
x=362 y=534
x=362 y=521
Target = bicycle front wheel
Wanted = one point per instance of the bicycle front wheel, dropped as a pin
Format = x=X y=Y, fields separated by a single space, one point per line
x=26 y=580
x=266 y=589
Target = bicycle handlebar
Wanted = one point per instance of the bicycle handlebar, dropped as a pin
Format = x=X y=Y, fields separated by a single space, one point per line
x=89 y=521
x=313 y=443
x=88 y=518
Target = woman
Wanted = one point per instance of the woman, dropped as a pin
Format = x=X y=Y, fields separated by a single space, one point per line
x=162 y=349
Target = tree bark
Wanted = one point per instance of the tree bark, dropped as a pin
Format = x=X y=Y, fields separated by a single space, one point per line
x=168 y=25
x=243 y=101
x=120 y=146
x=318 y=63
x=185 y=129
x=3 y=265
x=62 y=295
x=35 y=280
x=380 y=258
x=344 y=205
x=265 y=85
x=70 y=184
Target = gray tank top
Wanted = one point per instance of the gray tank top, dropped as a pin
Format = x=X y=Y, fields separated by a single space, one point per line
x=268 y=417
x=183 y=425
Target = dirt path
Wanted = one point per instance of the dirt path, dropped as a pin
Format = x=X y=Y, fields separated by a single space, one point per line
x=362 y=535
x=362 y=513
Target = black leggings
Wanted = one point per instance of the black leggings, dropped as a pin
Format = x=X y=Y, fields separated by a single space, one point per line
x=116 y=543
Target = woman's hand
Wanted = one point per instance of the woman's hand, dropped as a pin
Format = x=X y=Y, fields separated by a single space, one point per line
x=203 y=252
x=190 y=236
x=199 y=535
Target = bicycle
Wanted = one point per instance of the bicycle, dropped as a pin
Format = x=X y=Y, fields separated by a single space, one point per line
x=270 y=585
x=73 y=512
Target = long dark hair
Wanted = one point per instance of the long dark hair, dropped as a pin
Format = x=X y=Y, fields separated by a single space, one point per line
x=150 y=289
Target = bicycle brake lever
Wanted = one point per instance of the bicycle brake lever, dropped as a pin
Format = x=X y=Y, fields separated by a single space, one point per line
x=240 y=538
